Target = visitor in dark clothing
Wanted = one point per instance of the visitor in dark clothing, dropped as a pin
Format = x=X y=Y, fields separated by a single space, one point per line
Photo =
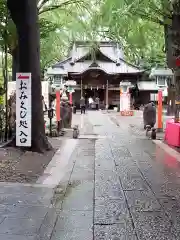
x=97 y=103
x=82 y=105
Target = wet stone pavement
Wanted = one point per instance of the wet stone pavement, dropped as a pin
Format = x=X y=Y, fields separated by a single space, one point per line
x=119 y=188
x=25 y=211
x=116 y=187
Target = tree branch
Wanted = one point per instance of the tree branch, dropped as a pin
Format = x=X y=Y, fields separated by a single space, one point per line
x=41 y=3
x=54 y=7
x=150 y=18
x=161 y=12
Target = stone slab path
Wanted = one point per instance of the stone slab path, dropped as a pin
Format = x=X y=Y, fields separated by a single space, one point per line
x=120 y=187
x=117 y=186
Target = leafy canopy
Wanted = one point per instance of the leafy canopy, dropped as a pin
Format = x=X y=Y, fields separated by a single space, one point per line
x=138 y=25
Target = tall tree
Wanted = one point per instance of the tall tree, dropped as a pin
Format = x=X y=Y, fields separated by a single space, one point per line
x=146 y=26
x=25 y=17
x=70 y=26
x=135 y=25
x=176 y=52
x=44 y=7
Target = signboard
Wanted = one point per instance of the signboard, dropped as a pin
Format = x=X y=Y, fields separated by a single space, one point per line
x=23 y=109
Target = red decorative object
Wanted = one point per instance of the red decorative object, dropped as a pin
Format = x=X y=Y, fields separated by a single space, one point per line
x=177 y=62
x=23 y=77
x=172 y=133
x=127 y=113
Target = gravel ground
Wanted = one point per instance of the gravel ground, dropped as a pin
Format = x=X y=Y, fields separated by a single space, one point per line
x=25 y=167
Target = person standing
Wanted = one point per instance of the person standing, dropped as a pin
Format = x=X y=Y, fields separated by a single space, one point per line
x=82 y=105
x=44 y=105
x=90 y=102
x=97 y=103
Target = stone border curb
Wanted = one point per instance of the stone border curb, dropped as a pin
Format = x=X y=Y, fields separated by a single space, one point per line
x=6 y=144
x=167 y=149
x=55 y=170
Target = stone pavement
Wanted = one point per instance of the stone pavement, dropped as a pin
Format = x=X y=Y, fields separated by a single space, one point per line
x=117 y=186
x=25 y=212
x=120 y=187
x=135 y=123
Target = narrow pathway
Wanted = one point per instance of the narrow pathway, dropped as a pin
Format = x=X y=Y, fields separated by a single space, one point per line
x=119 y=187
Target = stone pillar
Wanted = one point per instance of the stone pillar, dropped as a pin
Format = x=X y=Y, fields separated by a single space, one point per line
x=107 y=95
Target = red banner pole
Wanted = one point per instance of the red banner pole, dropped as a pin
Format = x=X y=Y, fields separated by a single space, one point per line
x=58 y=117
x=70 y=98
x=160 y=98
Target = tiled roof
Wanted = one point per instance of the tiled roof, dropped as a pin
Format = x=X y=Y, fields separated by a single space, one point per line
x=110 y=50
x=107 y=67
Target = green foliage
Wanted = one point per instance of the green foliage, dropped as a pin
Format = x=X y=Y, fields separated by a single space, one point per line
x=46 y=27
x=138 y=26
x=72 y=23
x=60 y=22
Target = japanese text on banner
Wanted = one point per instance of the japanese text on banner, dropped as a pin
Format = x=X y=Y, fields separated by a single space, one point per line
x=23 y=109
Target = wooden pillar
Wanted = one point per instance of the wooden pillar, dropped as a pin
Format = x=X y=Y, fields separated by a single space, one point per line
x=107 y=95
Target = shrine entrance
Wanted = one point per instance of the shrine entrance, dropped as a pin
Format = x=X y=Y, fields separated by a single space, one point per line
x=95 y=82
x=93 y=93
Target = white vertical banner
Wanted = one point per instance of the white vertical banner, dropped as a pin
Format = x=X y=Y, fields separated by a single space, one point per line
x=125 y=102
x=23 y=109
x=45 y=92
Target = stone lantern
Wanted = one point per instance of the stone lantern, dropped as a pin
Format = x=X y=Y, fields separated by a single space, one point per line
x=164 y=82
x=163 y=76
x=124 y=86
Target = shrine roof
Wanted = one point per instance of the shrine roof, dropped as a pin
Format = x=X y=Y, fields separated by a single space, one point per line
x=111 y=59
x=107 y=67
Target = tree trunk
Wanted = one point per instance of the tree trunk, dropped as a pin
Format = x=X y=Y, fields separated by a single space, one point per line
x=15 y=63
x=168 y=45
x=25 y=17
x=176 y=53
x=169 y=61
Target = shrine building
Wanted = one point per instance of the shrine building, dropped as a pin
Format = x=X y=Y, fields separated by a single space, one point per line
x=98 y=71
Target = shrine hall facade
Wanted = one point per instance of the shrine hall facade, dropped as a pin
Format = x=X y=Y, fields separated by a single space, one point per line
x=97 y=71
